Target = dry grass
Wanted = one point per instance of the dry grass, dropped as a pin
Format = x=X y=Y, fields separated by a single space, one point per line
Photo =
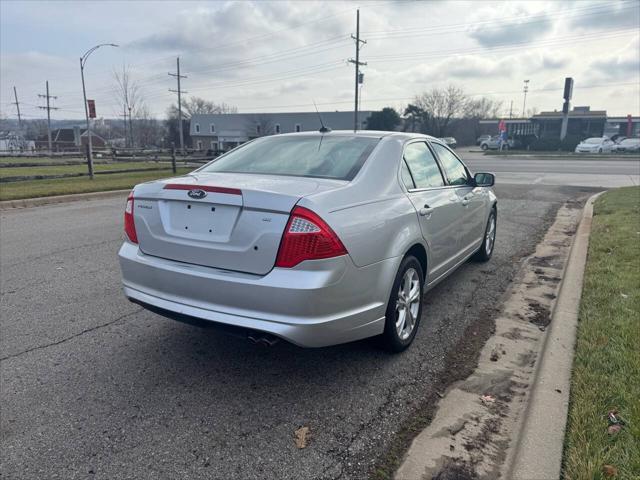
x=64 y=186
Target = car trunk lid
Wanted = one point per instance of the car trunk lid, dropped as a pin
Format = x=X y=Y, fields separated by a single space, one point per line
x=220 y=220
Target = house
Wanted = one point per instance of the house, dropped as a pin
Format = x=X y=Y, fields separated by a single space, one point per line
x=69 y=139
x=221 y=132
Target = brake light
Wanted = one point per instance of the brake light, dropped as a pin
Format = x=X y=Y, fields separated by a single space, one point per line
x=307 y=237
x=129 y=224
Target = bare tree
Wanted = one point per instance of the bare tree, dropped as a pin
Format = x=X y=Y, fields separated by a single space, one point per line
x=481 y=108
x=259 y=126
x=196 y=105
x=128 y=94
x=439 y=107
x=148 y=131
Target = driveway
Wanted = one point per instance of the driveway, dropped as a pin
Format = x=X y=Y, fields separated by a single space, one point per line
x=94 y=387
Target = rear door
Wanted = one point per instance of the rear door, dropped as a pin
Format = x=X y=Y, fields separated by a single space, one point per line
x=438 y=211
x=470 y=198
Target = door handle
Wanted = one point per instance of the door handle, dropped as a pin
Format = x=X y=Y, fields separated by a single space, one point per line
x=425 y=211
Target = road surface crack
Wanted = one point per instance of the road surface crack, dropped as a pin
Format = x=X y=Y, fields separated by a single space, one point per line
x=64 y=340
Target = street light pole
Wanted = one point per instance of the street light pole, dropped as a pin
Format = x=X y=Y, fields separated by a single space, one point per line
x=83 y=61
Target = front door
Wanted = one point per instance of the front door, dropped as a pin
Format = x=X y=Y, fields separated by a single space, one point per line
x=471 y=199
x=438 y=209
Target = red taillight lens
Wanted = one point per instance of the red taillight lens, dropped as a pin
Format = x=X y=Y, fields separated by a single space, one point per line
x=307 y=237
x=129 y=224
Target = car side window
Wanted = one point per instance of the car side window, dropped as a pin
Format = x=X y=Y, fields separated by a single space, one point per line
x=453 y=168
x=423 y=166
x=407 y=179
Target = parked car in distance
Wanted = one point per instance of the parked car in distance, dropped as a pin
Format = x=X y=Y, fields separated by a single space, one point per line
x=482 y=138
x=450 y=142
x=628 y=145
x=493 y=143
x=316 y=238
x=595 y=145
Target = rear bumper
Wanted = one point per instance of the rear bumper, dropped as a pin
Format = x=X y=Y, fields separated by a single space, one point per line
x=315 y=304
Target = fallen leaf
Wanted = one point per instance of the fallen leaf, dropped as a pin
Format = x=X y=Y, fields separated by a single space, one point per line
x=613 y=429
x=487 y=399
x=302 y=436
x=609 y=471
x=624 y=295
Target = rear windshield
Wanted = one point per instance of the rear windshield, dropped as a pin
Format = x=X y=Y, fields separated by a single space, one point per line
x=338 y=157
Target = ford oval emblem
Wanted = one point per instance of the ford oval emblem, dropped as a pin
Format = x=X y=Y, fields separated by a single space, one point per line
x=197 y=194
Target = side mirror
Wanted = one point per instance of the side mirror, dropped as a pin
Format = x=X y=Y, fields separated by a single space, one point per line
x=484 y=179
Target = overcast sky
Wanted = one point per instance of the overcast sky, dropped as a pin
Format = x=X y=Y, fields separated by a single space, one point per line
x=281 y=56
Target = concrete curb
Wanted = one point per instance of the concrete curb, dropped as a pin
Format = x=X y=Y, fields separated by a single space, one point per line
x=39 y=201
x=537 y=453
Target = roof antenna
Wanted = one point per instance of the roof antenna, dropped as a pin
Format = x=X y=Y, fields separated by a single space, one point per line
x=323 y=129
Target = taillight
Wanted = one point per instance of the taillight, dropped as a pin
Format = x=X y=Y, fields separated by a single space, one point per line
x=129 y=224
x=307 y=237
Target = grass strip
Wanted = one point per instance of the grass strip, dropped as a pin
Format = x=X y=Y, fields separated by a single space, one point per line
x=65 y=186
x=75 y=169
x=606 y=369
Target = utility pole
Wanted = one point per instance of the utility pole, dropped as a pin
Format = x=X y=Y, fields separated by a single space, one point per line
x=124 y=125
x=524 y=102
x=511 y=109
x=179 y=92
x=48 y=108
x=357 y=64
x=17 y=104
x=131 y=128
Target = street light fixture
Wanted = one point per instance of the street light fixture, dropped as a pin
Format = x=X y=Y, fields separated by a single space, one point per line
x=83 y=61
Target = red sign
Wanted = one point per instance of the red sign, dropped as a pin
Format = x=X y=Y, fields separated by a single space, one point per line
x=502 y=127
x=92 y=108
x=629 y=125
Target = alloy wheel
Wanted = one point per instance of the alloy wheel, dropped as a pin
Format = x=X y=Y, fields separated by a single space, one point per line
x=490 y=236
x=408 y=303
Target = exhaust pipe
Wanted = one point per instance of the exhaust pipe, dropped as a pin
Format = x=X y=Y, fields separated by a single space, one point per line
x=264 y=339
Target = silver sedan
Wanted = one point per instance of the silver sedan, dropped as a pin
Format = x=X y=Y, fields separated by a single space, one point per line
x=316 y=238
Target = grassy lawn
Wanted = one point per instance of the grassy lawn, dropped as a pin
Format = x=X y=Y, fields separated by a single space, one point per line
x=606 y=370
x=64 y=186
x=69 y=169
x=61 y=160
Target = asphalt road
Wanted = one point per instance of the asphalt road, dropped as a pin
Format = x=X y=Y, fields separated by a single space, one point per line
x=94 y=387
x=608 y=172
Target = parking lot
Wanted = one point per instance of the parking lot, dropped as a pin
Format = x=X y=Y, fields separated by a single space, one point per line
x=93 y=385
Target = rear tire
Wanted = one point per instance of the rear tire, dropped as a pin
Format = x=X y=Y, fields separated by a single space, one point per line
x=405 y=306
x=484 y=146
x=489 y=239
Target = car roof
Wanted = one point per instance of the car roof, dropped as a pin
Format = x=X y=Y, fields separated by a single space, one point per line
x=362 y=133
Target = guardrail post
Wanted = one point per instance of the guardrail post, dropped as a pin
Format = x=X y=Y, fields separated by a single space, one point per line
x=173 y=157
x=89 y=162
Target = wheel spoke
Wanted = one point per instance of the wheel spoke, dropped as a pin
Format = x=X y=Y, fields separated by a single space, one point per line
x=414 y=294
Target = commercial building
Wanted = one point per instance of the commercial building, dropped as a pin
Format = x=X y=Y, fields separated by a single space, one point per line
x=221 y=132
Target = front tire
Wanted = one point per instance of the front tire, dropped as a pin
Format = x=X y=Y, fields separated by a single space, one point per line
x=484 y=147
x=489 y=240
x=405 y=306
